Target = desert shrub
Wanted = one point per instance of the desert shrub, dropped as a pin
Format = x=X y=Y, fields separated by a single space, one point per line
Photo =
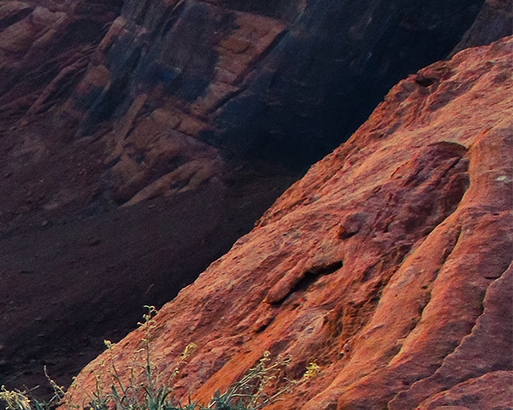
x=248 y=393
x=23 y=400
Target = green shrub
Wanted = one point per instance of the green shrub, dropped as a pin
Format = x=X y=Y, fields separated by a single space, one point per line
x=249 y=393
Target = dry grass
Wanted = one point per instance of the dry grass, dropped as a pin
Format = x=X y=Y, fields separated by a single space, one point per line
x=262 y=385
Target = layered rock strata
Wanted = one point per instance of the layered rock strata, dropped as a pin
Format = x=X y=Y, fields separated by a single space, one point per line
x=164 y=82
x=260 y=81
x=389 y=264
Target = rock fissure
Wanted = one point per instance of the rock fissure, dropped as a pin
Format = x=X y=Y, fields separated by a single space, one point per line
x=447 y=255
x=398 y=404
x=310 y=276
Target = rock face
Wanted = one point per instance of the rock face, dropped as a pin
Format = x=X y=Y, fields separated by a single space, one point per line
x=119 y=119
x=44 y=47
x=495 y=20
x=283 y=82
x=389 y=264
x=172 y=89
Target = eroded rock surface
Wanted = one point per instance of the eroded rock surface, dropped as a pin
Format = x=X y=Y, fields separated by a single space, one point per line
x=157 y=84
x=117 y=117
x=389 y=264
x=282 y=82
x=164 y=83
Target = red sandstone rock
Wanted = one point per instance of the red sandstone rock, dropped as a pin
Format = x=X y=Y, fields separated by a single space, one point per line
x=388 y=264
x=284 y=81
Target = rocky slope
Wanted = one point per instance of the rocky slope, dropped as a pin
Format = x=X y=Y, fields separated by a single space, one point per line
x=140 y=139
x=171 y=89
x=389 y=264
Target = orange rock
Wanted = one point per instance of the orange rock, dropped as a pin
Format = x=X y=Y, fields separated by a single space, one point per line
x=388 y=264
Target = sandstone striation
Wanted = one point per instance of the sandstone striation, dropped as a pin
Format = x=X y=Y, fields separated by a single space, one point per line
x=389 y=264
x=141 y=138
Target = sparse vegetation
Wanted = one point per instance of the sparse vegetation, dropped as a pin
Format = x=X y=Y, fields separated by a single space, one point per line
x=251 y=392
x=18 y=400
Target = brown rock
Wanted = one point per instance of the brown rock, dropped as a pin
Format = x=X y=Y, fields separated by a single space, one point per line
x=20 y=37
x=492 y=391
x=13 y=11
x=388 y=264
x=251 y=80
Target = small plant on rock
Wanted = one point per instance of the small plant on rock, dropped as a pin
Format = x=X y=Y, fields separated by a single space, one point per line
x=23 y=400
x=249 y=393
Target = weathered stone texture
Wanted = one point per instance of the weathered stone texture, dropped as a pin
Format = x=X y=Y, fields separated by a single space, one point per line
x=109 y=103
x=388 y=264
x=281 y=83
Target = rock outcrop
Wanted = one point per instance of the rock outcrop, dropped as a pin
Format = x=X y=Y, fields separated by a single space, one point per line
x=117 y=117
x=161 y=83
x=172 y=89
x=495 y=20
x=389 y=264
x=259 y=81
x=45 y=48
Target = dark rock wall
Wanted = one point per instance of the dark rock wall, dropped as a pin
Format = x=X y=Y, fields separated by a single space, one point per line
x=334 y=65
x=317 y=80
x=495 y=20
x=278 y=83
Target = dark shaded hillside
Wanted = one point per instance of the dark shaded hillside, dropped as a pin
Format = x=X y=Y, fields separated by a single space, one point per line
x=67 y=284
